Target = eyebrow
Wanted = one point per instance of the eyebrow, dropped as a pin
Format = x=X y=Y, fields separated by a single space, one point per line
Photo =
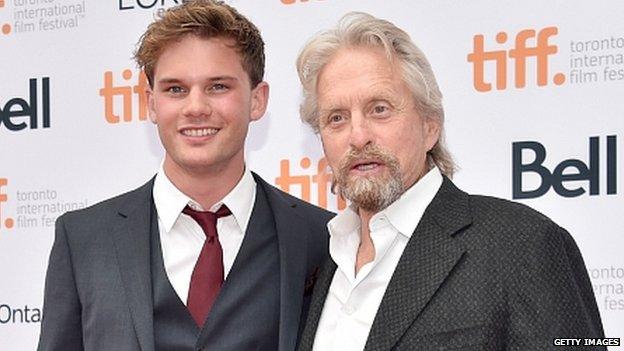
x=167 y=80
x=378 y=95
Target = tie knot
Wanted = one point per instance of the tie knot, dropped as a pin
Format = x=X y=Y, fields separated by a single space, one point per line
x=206 y=219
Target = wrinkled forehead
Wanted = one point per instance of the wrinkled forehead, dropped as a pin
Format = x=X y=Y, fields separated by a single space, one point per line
x=359 y=74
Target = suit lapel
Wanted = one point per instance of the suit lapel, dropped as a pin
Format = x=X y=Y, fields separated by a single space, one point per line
x=426 y=263
x=131 y=237
x=291 y=236
x=316 y=306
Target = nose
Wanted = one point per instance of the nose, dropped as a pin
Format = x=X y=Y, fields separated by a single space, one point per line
x=196 y=104
x=361 y=133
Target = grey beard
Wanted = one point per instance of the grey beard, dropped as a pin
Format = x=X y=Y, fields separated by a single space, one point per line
x=370 y=193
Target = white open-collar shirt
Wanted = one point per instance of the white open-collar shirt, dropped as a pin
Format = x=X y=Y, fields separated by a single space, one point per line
x=181 y=238
x=353 y=300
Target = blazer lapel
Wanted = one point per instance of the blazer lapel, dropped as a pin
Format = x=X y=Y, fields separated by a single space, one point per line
x=316 y=305
x=131 y=238
x=291 y=236
x=426 y=263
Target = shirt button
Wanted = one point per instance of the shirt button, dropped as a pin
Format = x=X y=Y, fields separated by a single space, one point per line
x=348 y=309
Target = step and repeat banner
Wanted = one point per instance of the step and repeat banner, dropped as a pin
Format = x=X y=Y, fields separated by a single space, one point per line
x=533 y=93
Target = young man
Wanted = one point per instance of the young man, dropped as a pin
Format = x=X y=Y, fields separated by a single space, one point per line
x=416 y=263
x=206 y=255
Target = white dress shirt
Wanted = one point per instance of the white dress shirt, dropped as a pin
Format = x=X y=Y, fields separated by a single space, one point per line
x=353 y=300
x=181 y=238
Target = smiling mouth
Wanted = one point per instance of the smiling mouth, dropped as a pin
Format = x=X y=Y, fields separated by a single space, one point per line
x=199 y=132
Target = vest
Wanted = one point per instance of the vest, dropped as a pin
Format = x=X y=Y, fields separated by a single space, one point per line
x=245 y=315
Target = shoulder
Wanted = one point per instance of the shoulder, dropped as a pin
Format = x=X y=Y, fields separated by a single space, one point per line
x=515 y=240
x=485 y=213
x=101 y=213
x=494 y=224
x=308 y=211
x=495 y=210
x=517 y=229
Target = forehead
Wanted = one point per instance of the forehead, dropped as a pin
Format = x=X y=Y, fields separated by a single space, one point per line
x=192 y=53
x=358 y=73
x=350 y=62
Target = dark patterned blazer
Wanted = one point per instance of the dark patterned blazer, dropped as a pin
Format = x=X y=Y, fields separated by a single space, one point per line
x=479 y=273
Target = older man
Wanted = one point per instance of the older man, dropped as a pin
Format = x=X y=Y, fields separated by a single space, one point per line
x=416 y=263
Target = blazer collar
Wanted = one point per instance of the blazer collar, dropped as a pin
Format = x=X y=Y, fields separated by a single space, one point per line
x=426 y=263
x=136 y=221
x=321 y=288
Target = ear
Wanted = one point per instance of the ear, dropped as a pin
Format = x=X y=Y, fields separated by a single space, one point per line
x=150 y=104
x=432 y=131
x=259 y=100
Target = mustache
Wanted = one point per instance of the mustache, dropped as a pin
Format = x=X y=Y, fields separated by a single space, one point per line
x=353 y=156
x=368 y=152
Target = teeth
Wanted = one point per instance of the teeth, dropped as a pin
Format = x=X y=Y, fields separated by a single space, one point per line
x=200 y=132
x=366 y=167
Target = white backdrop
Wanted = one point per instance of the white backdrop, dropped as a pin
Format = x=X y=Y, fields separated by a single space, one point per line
x=61 y=149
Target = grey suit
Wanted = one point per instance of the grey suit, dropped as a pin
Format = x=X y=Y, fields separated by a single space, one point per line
x=98 y=293
x=479 y=273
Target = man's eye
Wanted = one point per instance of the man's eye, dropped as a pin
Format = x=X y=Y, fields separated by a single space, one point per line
x=335 y=118
x=175 y=90
x=380 y=109
x=219 y=87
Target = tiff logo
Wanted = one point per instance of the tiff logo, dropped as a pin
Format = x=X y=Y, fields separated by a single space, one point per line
x=322 y=180
x=8 y=222
x=521 y=51
x=126 y=92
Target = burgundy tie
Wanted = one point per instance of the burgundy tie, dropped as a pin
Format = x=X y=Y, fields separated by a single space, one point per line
x=207 y=275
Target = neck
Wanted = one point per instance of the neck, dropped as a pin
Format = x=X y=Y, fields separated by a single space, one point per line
x=206 y=186
x=365 y=217
x=366 y=250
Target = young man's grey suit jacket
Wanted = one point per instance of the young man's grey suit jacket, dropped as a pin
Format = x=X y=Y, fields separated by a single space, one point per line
x=98 y=287
x=478 y=273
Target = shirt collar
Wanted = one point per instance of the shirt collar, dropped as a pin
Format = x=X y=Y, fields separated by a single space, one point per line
x=240 y=200
x=345 y=223
x=170 y=201
x=404 y=214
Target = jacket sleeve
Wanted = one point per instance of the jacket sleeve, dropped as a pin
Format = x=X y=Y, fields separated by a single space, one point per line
x=549 y=293
x=61 y=327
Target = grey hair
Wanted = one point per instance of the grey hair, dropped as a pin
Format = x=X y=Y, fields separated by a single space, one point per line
x=358 y=29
